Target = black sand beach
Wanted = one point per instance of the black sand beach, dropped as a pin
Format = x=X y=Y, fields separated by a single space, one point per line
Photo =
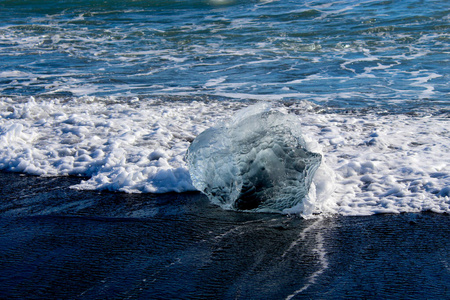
x=60 y=243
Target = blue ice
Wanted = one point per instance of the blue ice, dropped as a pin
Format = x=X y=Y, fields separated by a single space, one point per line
x=256 y=162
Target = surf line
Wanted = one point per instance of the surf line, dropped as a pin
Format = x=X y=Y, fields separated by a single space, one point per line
x=319 y=249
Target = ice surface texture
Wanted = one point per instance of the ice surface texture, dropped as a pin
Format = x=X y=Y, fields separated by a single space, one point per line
x=258 y=161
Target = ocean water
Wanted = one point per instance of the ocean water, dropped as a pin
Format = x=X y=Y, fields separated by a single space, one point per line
x=113 y=92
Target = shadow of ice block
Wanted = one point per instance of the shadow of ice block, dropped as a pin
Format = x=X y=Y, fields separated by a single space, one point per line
x=255 y=162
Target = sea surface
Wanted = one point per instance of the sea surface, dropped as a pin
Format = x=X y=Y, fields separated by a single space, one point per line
x=99 y=101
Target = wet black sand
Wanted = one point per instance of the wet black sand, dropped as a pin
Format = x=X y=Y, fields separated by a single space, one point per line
x=59 y=243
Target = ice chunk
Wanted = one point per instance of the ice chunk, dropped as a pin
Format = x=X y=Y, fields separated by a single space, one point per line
x=258 y=161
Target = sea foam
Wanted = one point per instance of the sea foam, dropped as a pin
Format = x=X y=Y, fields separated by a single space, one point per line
x=372 y=163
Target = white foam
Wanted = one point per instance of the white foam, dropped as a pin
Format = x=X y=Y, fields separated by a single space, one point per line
x=13 y=74
x=120 y=146
x=424 y=82
x=385 y=164
x=371 y=163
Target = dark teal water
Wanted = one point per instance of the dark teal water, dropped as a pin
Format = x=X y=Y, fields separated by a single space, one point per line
x=351 y=54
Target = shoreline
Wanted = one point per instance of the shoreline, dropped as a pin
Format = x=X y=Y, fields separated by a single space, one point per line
x=142 y=246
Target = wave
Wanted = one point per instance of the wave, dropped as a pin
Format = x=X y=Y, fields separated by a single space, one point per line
x=342 y=53
x=374 y=162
